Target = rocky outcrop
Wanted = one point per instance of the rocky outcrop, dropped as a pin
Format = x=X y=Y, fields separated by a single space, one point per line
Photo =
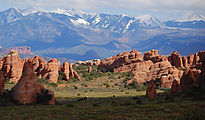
x=69 y=72
x=151 y=90
x=28 y=90
x=196 y=59
x=176 y=60
x=12 y=66
x=66 y=70
x=154 y=56
x=185 y=62
x=51 y=71
x=176 y=88
x=162 y=73
x=190 y=59
x=150 y=67
x=21 y=50
x=122 y=62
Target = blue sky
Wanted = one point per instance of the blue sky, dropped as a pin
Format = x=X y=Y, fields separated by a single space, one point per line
x=162 y=9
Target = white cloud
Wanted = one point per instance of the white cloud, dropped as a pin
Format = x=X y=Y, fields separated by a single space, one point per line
x=142 y=5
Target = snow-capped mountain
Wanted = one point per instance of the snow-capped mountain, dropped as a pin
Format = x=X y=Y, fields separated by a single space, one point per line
x=10 y=15
x=70 y=12
x=32 y=10
x=68 y=32
x=191 y=16
x=189 y=20
x=148 y=20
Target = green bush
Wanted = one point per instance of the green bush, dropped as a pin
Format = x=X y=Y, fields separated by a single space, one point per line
x=75 y=87
x=7 y=81
x=135 y=85
x=42 y=80
x=61 y=76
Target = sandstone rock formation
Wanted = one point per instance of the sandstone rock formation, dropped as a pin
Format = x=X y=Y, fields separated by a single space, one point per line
x=185 y=62
x=176 y=88
x=89 y=69
x=190 y=59
x=51 y=71
x=150 y=67
x=154 y=56
x=28 y=90
x=117 y=63
x=68 y=70
x=176 y=60
x=151 y=90
x=12 y=66
x=194 y=76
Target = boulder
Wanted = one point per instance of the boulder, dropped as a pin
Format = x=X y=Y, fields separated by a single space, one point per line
x=28 y=90
x=151 y=90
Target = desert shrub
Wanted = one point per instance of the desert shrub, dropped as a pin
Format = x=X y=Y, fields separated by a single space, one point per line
x=78 y=94
x=103 y=70
x=85 y=74
x=75 y=87
x=107 y=84
x=71 y=78
x=135 y=85
x=61 y=76
x=126 y=74
x=42 y=80
x=112 y=77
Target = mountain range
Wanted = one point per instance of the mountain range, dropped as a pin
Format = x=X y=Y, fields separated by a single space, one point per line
x=78 y=35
